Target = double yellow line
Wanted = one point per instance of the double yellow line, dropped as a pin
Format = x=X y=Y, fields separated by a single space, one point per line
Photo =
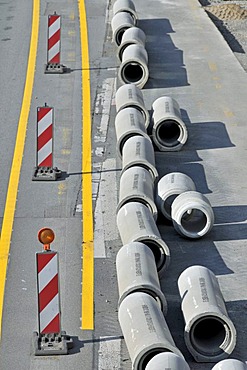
x=10 y=205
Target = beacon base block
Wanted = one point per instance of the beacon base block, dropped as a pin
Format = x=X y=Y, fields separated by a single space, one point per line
x=46 y=174
x=55 y=68
x=51 y=344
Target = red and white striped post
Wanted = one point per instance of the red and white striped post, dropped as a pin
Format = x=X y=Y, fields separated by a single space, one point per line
x=54 y=45
x=45 y=118
x=49 y=312
x=50 y=339
x=44 y=169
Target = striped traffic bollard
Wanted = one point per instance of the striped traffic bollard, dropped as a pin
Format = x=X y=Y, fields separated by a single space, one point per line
x=49 y=340
x=54 y=45
x=44 y=169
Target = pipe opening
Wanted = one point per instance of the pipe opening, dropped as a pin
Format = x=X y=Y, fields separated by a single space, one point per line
x=123 y=141
x=166 y=206
x=209 y=336
x=160 y=258
x=168 y=133
x=193 y=220
x=139 y=200
x=122 y=48
x=148 y=357
x=132 y=72
x=149 y=292
x=119 y=35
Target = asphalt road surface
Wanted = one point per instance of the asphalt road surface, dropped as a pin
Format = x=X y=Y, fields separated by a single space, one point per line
x=190 y=61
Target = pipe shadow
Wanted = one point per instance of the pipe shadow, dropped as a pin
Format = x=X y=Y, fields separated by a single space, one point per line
x=230 y=214
x=166 y=67
x=201 y=136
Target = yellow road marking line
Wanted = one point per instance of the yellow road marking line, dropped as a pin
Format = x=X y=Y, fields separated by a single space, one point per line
x=228 y=113
x=87 y=211
x=212 y=66
x=9 y=211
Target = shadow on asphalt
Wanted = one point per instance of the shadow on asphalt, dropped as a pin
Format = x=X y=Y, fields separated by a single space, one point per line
x=166 y=66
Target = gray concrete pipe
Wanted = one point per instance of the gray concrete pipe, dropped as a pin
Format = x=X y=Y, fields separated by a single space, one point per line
x=128 y=122
x=192 y=214
x=169 y=132
x=168 y=188
x=209 y=334
x=120 y=23
x=144 y=329
x=129 y=95
x=135 y=223
x=167 y=361
x=133 y=35
x=134 y=66
x=139 y=151
x=136 y=185
x=230 y=364
x=125 y=6
x=137 y=272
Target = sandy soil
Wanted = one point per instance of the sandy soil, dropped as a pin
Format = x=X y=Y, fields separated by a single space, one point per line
x=231 y=19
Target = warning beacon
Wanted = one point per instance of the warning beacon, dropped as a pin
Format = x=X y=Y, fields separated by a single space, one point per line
x=50 y=339
x=46 y=237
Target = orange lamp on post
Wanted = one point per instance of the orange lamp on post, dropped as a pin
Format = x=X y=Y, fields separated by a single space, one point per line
x=46 y=237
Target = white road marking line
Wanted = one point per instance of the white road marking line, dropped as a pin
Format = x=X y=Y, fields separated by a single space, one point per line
x=103 y=106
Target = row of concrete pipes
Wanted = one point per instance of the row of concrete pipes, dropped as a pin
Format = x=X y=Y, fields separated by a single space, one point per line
x=209 y=334
x=130 y=41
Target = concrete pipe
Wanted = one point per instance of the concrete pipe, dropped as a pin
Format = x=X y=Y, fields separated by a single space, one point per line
x=134 y=66
x=210 y=335
x=136 y=185
x=135 y=223
x=230 y=364
x=119 y=24
x=133 y=35
x=167 y=360
x=144 y=329
x=139 y=151
x=129 y=95
x=192 y=214
x=168 y=188
x=125 y=6
x=169 y=131
x=128 y=122
x=142 y=276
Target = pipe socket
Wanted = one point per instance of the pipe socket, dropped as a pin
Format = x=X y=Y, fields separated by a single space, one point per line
x=125 y=6
x=169 y=131
x=167 y=360
x=134 y=66
x=135 y=223
x=139 y=151
x=168 y=188
x=120 y=23
x=142 y=276
x=136 y=185
x=128 y=122
x=192 y=214
x=129 y=95
x=133 y=35
x=209 y=334
x=230 y=364
x=144 y=329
